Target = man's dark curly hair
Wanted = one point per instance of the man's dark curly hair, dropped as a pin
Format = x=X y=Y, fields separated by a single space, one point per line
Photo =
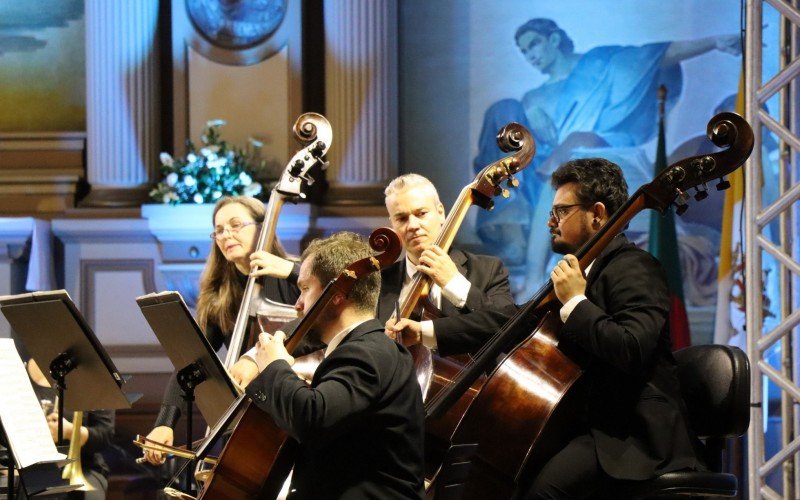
x=598 y=180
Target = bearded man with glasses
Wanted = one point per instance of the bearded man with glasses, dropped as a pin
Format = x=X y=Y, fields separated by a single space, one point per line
x=615 y=321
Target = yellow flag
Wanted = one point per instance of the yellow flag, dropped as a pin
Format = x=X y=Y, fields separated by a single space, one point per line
x=729 y=321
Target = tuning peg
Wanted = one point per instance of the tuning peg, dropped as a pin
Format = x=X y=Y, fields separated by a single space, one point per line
x=296 y=168
x=681 y=208
x=680 y=197
x=680 y=202
x=325 y=165
x=701 y=194
x=318 y=148
x=723 y=184
x=512 y=182
x=708 y=163
x=505 y=193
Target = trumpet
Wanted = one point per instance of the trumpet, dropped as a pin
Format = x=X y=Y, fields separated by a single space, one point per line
x=73 y=470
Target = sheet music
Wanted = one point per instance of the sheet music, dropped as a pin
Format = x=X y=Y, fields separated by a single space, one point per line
x=20 y=412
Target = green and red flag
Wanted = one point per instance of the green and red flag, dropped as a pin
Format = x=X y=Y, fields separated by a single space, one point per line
x=663 y=244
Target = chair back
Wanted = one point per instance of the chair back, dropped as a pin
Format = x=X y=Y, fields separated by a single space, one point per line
x=715 y=384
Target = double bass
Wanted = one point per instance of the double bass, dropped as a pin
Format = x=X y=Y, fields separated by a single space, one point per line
x=258 y=455
x=487 y=184
x=314 y=132
x=514 y=418
x=433 y=371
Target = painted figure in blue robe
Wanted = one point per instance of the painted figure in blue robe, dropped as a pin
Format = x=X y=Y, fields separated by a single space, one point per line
x=601 y=103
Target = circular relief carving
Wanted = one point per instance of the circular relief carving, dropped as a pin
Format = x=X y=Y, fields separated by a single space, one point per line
x=236 y=24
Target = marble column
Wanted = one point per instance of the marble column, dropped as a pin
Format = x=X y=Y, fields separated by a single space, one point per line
x=121 y=101
x=361 y=99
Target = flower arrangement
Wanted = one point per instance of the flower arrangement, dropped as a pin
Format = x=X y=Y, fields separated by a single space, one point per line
x=207 y=174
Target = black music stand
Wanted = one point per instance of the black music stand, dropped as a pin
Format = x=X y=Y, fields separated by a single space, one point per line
x=43 y=478
x=201 y=375
x=29 y=448
x=55 y=334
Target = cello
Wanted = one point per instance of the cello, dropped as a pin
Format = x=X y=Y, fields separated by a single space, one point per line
x=259 y=455
x=515 y=417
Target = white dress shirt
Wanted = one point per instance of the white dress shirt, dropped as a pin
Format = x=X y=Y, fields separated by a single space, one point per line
x=455 y=291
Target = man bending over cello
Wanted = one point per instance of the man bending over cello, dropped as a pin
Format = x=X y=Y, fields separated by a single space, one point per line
x=360 y=422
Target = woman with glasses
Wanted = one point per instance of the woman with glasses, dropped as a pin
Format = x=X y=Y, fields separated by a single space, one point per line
x=231 y=260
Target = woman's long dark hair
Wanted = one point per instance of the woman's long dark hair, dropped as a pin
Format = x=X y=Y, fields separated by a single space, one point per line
x=221 y=290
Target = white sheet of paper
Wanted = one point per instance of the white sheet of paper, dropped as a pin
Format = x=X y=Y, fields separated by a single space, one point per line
x=21 y=413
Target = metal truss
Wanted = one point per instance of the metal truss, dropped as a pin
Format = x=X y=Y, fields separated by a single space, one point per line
x=771 y=223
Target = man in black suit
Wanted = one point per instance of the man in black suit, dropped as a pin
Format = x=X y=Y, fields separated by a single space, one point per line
x=615 y=319
x=360 y=422
x=472 y=291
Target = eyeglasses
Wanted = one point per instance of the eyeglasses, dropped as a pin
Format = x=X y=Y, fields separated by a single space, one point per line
x=559 y=212
x=234 y=227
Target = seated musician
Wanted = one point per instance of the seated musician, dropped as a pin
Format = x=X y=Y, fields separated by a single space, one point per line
x=237 y=222
x=471 y=291
x=95 y=434
x=615 y=321
x=360 y=421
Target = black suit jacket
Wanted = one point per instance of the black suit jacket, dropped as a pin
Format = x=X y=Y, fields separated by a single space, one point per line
x=359 y=424
x=634 y=408
x=489 y=302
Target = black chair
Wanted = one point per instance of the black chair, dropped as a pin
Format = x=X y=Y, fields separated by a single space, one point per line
x=715 y=384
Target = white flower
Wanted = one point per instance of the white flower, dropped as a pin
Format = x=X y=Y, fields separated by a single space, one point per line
x=217 y=163
x=166 y=159
x=168 y=197
x=229 y=169
x=210 y=152
x=253 y=189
